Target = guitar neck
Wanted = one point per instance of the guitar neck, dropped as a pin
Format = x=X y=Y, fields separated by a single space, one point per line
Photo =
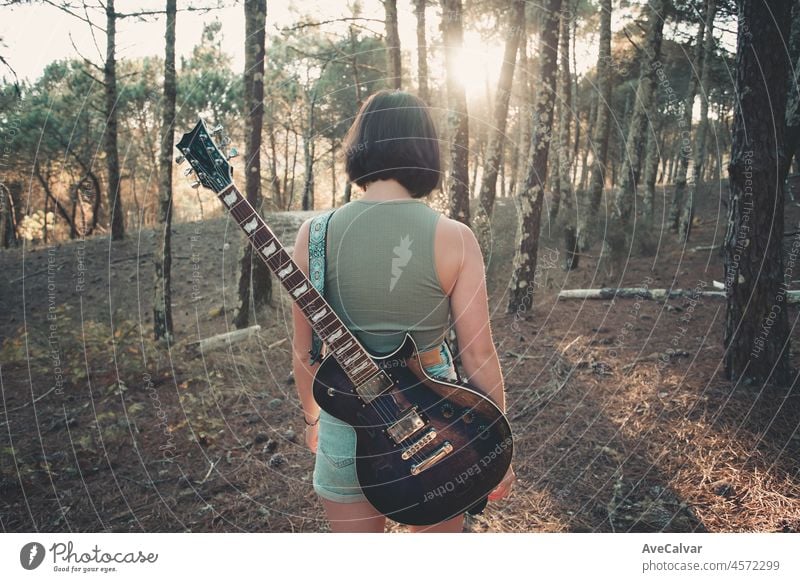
x=346 y=349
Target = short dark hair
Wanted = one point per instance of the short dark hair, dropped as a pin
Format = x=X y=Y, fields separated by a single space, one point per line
x=394 y=137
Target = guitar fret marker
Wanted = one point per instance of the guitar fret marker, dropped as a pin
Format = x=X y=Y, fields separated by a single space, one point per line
x=300 y=290
x=285 y=271
x=230 y=199
x=251 y=226
x=344 y=348
x=335 y=335
x=363 y=365
x=269 y=249
x=319 y=314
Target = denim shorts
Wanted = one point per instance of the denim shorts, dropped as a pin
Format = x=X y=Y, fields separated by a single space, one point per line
x=335 y=469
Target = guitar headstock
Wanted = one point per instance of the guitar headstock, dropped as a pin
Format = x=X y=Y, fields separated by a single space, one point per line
x=207 y=160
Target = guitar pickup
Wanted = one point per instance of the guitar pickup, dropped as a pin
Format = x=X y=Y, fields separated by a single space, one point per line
x=406 y=426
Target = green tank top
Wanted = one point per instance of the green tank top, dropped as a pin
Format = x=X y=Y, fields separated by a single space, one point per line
x=381 y=276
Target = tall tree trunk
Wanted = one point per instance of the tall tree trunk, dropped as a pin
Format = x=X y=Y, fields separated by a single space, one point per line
x=394 y=70
x=699 y=150
x=333 y=172
x=527 y=97
x=643 y=103
x=652 y=156
x=591 y=120
x=756 y=321
x=274 y=180
x=115 y=209
x=600 y=130
x=8 y=224
x=458 y=183
x=422 y=50
x=563 y=193
x=253 y=273
x=497 y=132
x=162 y=257
x=792 y=130
x=532 y=195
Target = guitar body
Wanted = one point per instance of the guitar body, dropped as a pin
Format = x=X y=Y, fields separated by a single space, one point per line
x=457 y=442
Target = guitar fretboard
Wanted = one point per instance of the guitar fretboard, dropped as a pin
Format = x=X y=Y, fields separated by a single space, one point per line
x=343 y=345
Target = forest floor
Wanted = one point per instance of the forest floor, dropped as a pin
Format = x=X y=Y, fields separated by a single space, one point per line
x=623 y=419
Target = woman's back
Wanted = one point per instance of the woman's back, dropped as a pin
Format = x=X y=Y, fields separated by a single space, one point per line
x=381 y=276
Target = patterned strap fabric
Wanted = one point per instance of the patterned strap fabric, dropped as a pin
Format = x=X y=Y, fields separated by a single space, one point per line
x=317 y=237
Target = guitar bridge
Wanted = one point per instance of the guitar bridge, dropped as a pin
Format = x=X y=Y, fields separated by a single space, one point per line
x=425 y=464
x=418 y=445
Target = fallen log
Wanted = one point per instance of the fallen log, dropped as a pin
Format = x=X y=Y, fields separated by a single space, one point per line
x=653 y=294
x=223 y=340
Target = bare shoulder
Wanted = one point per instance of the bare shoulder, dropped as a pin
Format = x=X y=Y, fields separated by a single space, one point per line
x=300 y=253
x=456 y=248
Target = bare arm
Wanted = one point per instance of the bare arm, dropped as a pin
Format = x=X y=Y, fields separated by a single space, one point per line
x=301 y=341
x=469 y=305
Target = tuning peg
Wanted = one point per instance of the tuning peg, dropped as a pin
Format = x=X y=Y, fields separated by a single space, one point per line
x=196 y=184
x=224 y=140
x=180 y=159
x=232 y=153
x=217 y=129
x=188 y=171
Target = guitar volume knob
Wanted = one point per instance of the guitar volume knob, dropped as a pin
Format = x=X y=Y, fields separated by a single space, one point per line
x=447 y=410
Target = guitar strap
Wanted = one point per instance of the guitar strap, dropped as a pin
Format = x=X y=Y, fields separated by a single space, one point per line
x=317 y=243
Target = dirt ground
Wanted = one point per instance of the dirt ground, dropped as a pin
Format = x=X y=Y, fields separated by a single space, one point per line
x=623 y=420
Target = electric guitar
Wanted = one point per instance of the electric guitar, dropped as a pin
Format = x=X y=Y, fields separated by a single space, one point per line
x=427 y=448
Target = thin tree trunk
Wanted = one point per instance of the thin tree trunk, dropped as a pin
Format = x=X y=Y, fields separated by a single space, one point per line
x=590 y=125
x=563 y=194
x=699 y=147
x=643 y=102
x=532 y=195
x=394 y=75
x=422 y=50
x=497 y=132
x=253 y=272
x=115 y=209
x=458 y=182
x=527 y=95
x=792 y=117
x=651 y=172
x=162 y=257
x=8 y=224
x=756 y=337
x=600 y=129
x=333 y=173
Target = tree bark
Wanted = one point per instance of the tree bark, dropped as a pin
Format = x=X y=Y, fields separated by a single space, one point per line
x=699 y=151
x=115 y=209
x=458 y=180
x=651 y=160
x=527 y=96
x=756 y=337
x=422 y=50
x=792 y=117
x=497 y=132
x=562 y=194
x=8 y=223
x=643 y=102
x=394 y=69
x=162 y=256
x=532 y=195
x=600 y=130
x=253 y=273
